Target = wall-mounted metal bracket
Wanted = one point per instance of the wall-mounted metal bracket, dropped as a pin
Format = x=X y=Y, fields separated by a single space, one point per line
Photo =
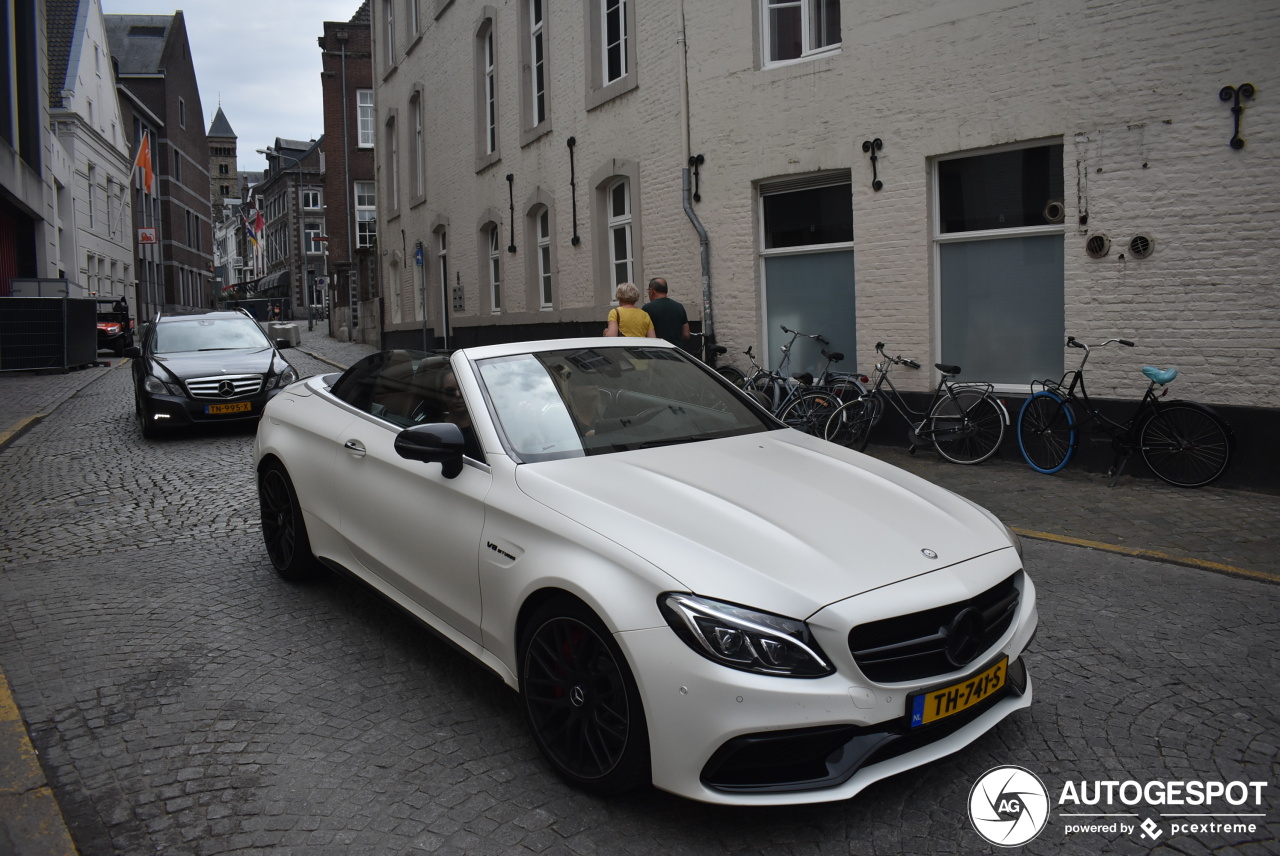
x=696 y=161
x=573 y=194
x=511 y=197
x=871 y=147
x=1244 y=91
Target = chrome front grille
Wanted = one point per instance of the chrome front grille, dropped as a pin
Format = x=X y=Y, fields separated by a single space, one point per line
x=936 y=641
x=224 y=386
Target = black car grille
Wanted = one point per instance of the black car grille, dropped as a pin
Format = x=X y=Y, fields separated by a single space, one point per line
x=936 y=641
x=224 y=386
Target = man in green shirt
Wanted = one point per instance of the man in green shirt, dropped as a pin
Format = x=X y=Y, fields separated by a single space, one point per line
x=669 y=318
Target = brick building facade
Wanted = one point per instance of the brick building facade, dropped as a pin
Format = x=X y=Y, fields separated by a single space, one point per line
x=159 y=95
x=967 y=182
x=349 y=192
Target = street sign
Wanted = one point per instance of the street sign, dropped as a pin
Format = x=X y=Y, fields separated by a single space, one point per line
x=321 y=281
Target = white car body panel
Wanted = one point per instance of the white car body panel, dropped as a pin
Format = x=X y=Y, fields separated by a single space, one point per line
x=777 y=521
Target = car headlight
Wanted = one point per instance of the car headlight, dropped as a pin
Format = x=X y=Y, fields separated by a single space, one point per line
x=286 y=377
x=1013 y=536
x=745 y=639
x=155 y=386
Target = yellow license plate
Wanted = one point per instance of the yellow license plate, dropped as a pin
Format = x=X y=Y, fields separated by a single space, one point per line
x=234 y=407
x=932 y=705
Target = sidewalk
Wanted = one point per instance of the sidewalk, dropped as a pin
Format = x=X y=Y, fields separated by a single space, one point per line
x=1218 y=530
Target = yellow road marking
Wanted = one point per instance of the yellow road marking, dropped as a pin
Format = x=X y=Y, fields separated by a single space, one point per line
x=18 y=427
x=1149 y=554
x=36 y=824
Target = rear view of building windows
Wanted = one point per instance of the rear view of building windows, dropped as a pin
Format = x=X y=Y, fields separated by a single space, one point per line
x=797 y=29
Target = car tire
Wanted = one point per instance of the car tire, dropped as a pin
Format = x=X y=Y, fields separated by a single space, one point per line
x=150 y=430
x=581 y=700
x=284 y=532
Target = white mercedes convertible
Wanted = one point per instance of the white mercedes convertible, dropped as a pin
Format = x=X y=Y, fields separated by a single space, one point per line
x=683 y=590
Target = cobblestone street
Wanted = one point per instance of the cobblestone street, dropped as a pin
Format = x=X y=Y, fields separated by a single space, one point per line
x=185 y=700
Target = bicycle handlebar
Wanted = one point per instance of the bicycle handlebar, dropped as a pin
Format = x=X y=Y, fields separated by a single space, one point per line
x=1073 y=343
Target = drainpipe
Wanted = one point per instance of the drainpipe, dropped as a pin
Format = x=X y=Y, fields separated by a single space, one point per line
x=708 y=329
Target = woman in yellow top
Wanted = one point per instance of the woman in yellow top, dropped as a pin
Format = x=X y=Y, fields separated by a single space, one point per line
x=627 y=320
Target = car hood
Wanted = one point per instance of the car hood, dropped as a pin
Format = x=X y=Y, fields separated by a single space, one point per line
x=778 y=521
x=191 y=364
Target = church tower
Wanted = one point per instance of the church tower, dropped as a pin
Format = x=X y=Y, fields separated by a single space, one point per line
x=224 y=183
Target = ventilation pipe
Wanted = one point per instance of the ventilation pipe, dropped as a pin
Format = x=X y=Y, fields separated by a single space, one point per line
x=708 y=328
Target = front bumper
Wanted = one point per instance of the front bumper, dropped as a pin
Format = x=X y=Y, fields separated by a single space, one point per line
x=736 y=738
x=168 y=411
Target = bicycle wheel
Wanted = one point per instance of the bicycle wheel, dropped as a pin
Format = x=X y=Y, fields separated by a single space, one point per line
x=1046 y=432
x=851 y=423
x=733 y=374
x=1184 y=444
x=968 y=428
x=809 y=412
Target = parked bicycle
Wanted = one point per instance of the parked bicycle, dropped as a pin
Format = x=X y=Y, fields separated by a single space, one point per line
x=963 y=421
x=1182 y=442
x=709 y=354
x=801 y=400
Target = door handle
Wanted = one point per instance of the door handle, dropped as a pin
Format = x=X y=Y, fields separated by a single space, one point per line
x=354 y=447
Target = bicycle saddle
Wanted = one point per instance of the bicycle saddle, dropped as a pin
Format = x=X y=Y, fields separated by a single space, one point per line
x=947 y=370
x=1160 y=376
x=805 y=378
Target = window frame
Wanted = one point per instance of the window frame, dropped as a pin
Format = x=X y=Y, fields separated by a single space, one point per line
x=620 y=224
x=311 y=200
x=488 y=150
x=494 y=258
x=534 y=33
x=418 y=170
x=366 y=119
x=366 y=214
x=807 y=51
x=600 y=90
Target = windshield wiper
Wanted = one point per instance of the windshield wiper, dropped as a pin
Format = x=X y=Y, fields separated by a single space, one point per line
x=677 y=441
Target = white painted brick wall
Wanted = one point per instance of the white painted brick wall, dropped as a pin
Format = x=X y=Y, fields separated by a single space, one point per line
x=1129 y=87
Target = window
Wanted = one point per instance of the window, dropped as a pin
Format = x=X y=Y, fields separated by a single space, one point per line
x=618 y=198
x=364 y=110
x=366 y=215
x=223 y=169
x=547 y=293
x=311 y=199
x=798 y=29
x=419 y=165
x=614 y=39
x=226 y=190
x=999 y=245
x=313 y=232
x=177 y=166
x=182 y=113
x=414 y=10
x=538 y=62
x=486 y=94
x=611 y=64
x=92 y=197
x=389 y=13
x=495 y=269
x=807 y=262
x=393 y=166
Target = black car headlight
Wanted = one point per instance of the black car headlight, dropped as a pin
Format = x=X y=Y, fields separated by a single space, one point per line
x=743 y=638
x=286 y=377
x=155 y=386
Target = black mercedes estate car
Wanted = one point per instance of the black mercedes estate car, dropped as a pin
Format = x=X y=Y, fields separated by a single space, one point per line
x=205 y=368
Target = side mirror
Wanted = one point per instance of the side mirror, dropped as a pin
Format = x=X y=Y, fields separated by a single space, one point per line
x=433 y=443
x=134 y=352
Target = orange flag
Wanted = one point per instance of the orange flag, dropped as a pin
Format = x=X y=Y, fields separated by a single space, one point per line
x=144 y=160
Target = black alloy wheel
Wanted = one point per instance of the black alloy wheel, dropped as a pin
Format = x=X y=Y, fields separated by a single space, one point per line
x=283 y=529
x=581 y=700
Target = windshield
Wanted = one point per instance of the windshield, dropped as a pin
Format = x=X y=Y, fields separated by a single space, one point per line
x=561 y=404
x=208 y=334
